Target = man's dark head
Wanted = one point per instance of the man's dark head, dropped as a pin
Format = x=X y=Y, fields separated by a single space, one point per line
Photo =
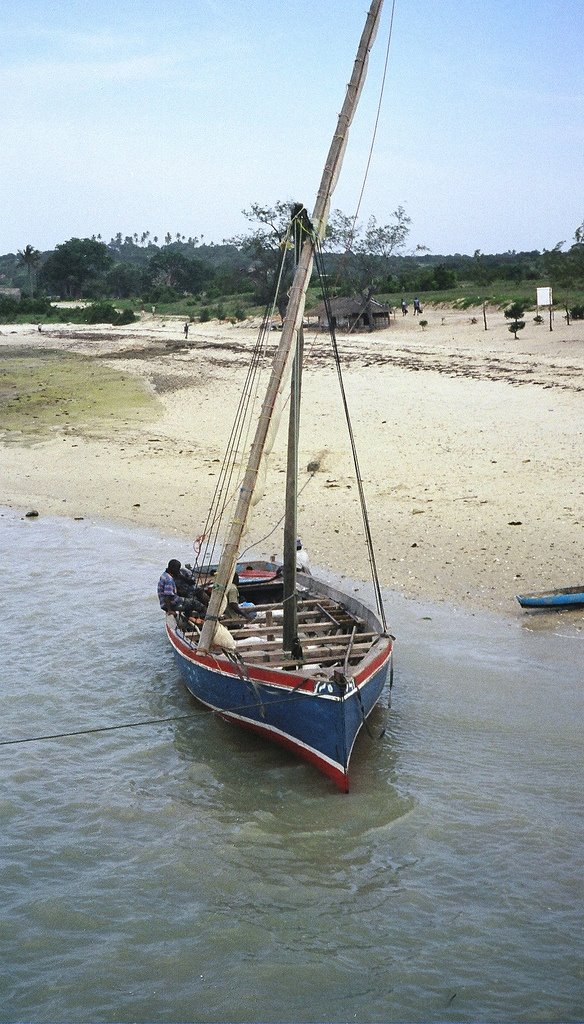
x=173 y=567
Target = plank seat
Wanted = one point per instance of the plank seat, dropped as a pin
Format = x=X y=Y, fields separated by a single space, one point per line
x=341 y=642
x=326 y=656
x=305 y=629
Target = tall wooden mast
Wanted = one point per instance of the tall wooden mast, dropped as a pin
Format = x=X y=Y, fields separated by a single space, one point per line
x=292 y=323
x=300 y=225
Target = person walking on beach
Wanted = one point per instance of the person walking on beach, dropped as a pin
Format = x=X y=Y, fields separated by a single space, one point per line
x=186 y=330
x=404 y=308
x=417 y=308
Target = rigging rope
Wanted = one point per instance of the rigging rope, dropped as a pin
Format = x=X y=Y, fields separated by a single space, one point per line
x=353 y=219
x=225 y=489
x=377 y=116
x=262 y=540
x=221 y=499
x=359 y=479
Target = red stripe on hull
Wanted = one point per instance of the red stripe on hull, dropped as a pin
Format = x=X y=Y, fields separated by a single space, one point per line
x=287 y=682
x=337 y=775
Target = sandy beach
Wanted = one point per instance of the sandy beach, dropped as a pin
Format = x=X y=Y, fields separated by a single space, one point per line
x=470 y=447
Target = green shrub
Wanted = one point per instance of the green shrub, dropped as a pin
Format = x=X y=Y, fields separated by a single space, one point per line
x=12 y=310
x=517 y=325
x=577 y=312
x=161 y=293
x=9 y=309
x=204 y=314
x=35 y=306
x=125 y=316
x=105 y=313
x=515 y=312
x=100 y=313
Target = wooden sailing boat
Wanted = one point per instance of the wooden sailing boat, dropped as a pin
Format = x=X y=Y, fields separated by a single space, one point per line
x=310 y=667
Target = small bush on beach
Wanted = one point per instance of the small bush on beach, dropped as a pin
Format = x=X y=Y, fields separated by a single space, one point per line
x=160 y=293
x=105 y=313
x=23 y=310
x=125 y=316
x=577 y=312
x=99 y=313
x=514 y=313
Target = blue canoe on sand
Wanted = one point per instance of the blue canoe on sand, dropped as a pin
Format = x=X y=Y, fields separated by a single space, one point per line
x=568 y=597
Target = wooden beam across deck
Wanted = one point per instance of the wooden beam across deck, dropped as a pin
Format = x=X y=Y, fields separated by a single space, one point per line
x=340 y=641
x=306 y=629
x=320 y=656
x=304 y=602
x=306 y=615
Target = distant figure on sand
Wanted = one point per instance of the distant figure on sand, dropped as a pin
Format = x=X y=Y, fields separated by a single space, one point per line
x=186 y=329
x=404 y=307
x=417 y=308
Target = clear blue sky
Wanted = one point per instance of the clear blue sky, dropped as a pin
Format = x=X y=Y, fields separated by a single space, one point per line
x=175 y=116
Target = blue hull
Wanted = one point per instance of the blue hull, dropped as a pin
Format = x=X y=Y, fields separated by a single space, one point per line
x=317 y=720
x=570 y=597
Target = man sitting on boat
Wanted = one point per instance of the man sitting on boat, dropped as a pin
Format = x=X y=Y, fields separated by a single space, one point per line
x=168 y=597
x=302 y=561
x=178 y=594
x=230 y=606
x=182 y=608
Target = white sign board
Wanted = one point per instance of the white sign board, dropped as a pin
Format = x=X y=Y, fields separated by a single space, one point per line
x=544 y=296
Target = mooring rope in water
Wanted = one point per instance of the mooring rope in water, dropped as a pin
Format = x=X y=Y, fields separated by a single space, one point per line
x=99 y=728
x=154 y=721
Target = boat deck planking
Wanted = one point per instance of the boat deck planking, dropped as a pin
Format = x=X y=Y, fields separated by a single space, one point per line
x=330 y=636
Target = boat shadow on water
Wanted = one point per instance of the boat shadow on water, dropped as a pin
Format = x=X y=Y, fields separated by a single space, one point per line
x=560 y=619
x=221 y=757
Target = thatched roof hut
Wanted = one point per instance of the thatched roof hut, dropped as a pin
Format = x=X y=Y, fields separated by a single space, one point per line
x=356 y=314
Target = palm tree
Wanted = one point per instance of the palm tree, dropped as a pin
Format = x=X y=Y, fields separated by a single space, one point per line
x=30 y=258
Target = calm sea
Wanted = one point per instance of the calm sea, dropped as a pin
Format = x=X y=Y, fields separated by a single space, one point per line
x=184 y=871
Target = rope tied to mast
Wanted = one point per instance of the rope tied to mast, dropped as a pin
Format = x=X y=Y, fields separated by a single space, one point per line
x=358 y=477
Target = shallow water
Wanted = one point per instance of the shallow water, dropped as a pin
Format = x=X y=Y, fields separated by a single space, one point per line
x=187 y=871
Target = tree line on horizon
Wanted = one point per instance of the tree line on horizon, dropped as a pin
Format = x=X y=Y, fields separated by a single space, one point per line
x=368 y=258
